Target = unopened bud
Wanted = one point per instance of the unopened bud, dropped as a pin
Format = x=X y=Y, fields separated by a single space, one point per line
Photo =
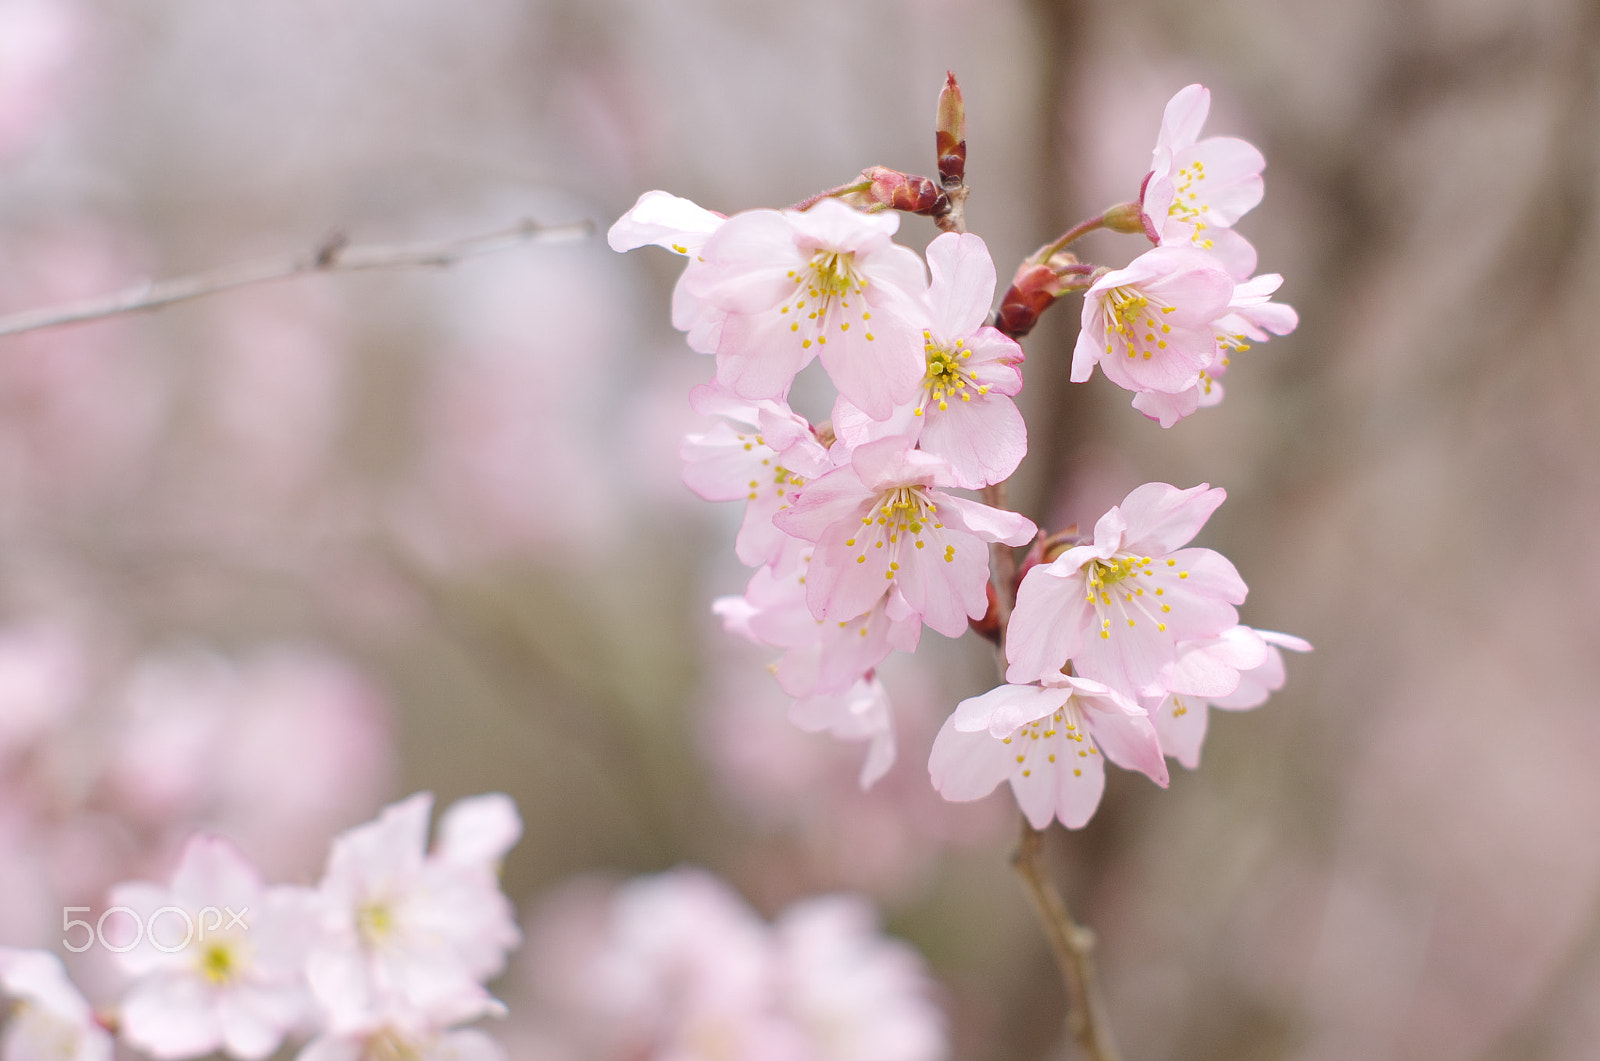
x=950 y=134
x=881 y=188
x=1126 y=218
x=1032 y=290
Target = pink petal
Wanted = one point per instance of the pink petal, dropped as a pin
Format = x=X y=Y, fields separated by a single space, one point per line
x=1160 y=518
x=963 y=284
x=967 y=766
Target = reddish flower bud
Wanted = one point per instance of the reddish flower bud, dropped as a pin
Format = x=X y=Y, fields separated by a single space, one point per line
x=950 y=134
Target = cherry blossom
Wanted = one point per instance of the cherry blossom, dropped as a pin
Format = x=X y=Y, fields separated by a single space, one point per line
x=51 y=1021
x=1116 y=608
x=1197 y=189
x=963 y=412
x=402 y=929
x=1047 y=741
x=1256 y=658
x=217 y=966
x=1250 y=317
x=1149 y=326
x=825 y=282
x=873 y=520
x=861 y=713
x=665 y=220
x=760 y=452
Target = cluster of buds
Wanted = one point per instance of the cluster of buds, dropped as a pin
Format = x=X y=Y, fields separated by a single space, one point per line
x=1118 y=643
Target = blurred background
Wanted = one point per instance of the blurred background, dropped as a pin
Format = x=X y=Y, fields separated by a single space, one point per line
x=270 y=559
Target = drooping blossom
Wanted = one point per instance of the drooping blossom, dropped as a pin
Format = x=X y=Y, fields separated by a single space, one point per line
x=1117 y=607
x=760 y=452
x=50 y=1020
x=1254 y=655
x=963 y=412
x=676 y=224
x=402 y=929
x=883 y=526
x=1149 y=325
x=826 y=282
x=1047 y=741
x=218 y=963
x=1197 y=189
x=1251 y=316
x=861 y=713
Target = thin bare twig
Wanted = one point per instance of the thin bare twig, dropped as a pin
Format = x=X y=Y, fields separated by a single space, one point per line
x=1073 y=946
x=331 y=255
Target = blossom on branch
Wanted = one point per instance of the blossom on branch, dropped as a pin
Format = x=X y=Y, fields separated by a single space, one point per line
x=1255 y=659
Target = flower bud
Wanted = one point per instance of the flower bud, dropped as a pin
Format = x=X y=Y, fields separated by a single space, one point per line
x=950 y=134
x=1126 y=218
x=888 y=189
x=1035 y=286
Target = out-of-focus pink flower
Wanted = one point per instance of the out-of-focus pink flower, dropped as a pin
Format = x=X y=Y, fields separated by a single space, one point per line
x=42 y=679
x=51 y=1021
x=827 y=282
x=404 y=930
x=36 y=39
x=217 y=965
x=1200 y=680
x=1046 y=740
x=964 y=412
x=873 y=521
x=859 y=995
x=1149 y=325
x=1117 y=608
x=1197 y=189
x=677 y=967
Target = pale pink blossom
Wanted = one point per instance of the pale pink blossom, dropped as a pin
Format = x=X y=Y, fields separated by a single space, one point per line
x=760 y=452
x=217 y=965
x=1251 y=316
x=1047 y=741
x=50 y=1020
x=1117 y=608
x=1254 y=657
x=861 y=713
x=825 y=282
x=678 y=225
x=963 y=412
x=883 y=527
x=858 y=995
x=37 y=39
x=1197 y=189
x=405 y=930
x=1149 y=326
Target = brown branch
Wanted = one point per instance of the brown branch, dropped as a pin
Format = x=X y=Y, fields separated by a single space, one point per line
x=331 y=255
x=1073 y=946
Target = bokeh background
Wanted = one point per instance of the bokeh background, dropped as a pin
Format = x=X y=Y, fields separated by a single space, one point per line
x=270 y=559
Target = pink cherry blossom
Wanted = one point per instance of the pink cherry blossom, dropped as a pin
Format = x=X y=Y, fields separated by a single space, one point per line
x=217 y=966
x=874 y=521
x=51 y=1021
x=1116 y=608
x=1250 y=317
x=760 y=452
x=405 y=930
x=1149 y=326
x=825 y=282
x=862 y=713
x=1254 y=655
x=859 y=995
x=682 y=227
x=1197 y=189
x=1047 y=741
x=963 y=412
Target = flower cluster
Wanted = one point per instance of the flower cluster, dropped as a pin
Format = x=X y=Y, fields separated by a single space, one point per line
x=386 y=957
x=677 y=966
x=857 y=540
x=1116 y=642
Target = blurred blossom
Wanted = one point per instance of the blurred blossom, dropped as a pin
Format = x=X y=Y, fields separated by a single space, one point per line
x=678 y=966
x=42 y=679
x=37 y=38
x=50 y=1021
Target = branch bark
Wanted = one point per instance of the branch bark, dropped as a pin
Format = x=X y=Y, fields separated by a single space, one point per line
x=330 y=256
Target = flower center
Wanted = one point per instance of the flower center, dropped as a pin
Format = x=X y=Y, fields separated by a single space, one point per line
x=827 y=289
x=374 y=922
x=1114 y=585
x=1133 y=319
x=1186 y=204
x=946 y=379
x=1063 y=733
x=902 y=512
x=218 y=963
